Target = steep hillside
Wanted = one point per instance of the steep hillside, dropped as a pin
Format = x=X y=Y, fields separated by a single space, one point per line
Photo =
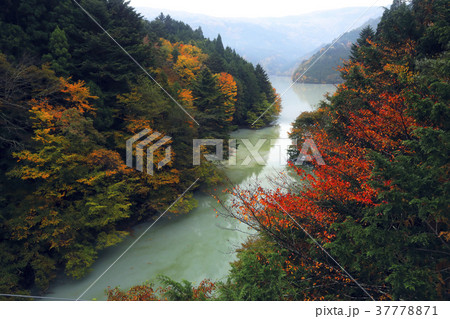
x=325 y=69
x=70 y=99
x=275 y=43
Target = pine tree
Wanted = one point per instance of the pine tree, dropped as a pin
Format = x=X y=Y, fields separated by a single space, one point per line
x=215 y=100
x=59 y=56
x=219 y=46
x=264 y=82
x=366 y=34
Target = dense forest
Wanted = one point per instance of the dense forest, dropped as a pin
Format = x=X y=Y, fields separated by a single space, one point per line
x=380 y=205
x=70 y=97
x=323 y=66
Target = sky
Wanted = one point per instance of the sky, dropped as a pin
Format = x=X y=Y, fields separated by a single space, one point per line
x=255 y=9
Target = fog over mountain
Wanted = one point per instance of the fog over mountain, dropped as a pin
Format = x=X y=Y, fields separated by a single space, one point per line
x=331 y=57
x=278 y=44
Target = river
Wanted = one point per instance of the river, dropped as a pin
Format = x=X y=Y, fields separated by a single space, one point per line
x=197 y=245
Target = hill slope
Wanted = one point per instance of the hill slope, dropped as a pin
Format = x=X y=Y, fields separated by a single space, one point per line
x=275 y=43
x=325 y=69
x=70 y=100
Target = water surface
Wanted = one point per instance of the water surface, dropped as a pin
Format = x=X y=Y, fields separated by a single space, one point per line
x=197 y=245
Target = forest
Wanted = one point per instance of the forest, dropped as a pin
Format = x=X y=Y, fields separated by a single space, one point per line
x=379 y=208
x=70 y=98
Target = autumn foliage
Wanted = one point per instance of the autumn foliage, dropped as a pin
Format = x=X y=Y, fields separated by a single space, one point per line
x=169 y=290
x=371 y=205
x=69 y=101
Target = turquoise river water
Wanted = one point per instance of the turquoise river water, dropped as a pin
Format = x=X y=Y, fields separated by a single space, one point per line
x=197 y=245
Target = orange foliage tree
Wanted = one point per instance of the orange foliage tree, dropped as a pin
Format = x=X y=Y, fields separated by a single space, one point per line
x=79 y=187
x=365 y=132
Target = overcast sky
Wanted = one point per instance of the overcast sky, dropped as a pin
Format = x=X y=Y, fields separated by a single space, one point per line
x=260 y=8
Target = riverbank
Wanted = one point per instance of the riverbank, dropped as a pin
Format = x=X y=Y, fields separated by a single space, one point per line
x=197 y=245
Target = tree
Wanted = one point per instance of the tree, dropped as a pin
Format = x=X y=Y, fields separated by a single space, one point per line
x=264 y=83
x=378 y=205
x=206 y=97
x=65 y=193
x=366 y=35
x=169 y=290
x=20 y=81
x=259 y=274
x=219 y=46
x=78 y=189
x=59 y=55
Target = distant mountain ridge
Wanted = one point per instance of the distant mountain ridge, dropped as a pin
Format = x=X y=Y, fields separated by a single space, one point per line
x=278 y=44
x=325 y=69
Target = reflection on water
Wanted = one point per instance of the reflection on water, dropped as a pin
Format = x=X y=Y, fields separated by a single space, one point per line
x=197 y=245
x=312 y=94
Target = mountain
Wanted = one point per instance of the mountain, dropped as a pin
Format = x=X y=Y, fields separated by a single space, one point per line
x=325 y=69
x=278 y=44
